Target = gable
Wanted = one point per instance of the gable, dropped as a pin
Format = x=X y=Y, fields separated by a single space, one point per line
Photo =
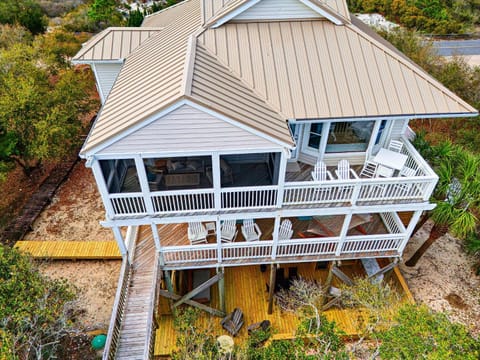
x=188 y=129
x=277 y=10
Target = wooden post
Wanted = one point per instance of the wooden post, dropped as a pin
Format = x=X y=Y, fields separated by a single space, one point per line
x=221 y=289
x=389 y=272
x=271 y=290
x=328 y=281
x=343 y=233
x=168 y=280
x=121 y=243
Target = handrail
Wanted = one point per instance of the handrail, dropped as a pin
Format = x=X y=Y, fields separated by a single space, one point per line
x=149 y=343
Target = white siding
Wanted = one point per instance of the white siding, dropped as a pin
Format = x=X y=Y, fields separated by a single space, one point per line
x=106 y=76
x=398 y=128
x=278 y=9
x=188 y=130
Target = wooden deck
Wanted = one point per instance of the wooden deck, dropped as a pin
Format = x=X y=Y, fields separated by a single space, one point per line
x=71 y=250
x=245 y=287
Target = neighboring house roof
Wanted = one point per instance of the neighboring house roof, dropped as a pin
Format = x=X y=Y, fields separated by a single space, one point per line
x=114 y=43
x=262 y=73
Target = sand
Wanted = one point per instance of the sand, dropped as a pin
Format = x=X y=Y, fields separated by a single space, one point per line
x=443 y=279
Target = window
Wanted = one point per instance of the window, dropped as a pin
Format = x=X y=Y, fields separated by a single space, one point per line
x=120 y=175
x=349 y=136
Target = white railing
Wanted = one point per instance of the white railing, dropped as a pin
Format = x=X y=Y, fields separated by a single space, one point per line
x=250 y=250
x=372 y=243
x=128 y=203
x=189 y=254
x=314 y=192
x=249 y=197
x=183 y=201
x=306 y=247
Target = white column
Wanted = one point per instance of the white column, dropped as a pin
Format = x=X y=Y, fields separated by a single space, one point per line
x=142 y=178
x=343 y=233
x=156 y=239
x=102 y=187
x=219 y=240
x=323 y=140
x=408 y=232
x=281 y=177
x=276 y=227
x=121 y=243
x=217 y=182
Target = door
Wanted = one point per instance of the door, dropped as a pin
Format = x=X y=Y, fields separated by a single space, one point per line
x=312 y=139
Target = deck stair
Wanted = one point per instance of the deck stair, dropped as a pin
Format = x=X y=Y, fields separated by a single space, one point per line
x=135 y=321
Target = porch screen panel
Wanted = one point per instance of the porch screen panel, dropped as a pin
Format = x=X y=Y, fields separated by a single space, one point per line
x=120 y=175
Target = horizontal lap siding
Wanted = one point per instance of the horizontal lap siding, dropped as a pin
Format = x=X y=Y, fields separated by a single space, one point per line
x=398 y=128
x=278 y=9
x=107 y=74
x=188 y=129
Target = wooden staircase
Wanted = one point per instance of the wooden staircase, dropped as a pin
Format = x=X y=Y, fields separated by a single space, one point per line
x=136 y=322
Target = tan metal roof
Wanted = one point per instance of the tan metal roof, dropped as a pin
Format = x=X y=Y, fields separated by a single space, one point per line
x=315 y=69
x=262 y=74
x=114 y=43
x=216 y=87
x=166 y=16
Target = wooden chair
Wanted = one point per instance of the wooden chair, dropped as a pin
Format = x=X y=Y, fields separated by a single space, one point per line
x=285 y=232
x=320 y=172
x=233 y=322
x=369 y=170
x=197 y=233
x=395 y=145
x=228 y=231
x=344 y=172
x=250 y=230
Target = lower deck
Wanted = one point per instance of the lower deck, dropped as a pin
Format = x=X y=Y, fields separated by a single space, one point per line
x=246 y=288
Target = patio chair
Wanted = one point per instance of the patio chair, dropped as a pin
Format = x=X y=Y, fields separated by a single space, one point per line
x=233 y=322
x=369 y=170
x=320 y=172
x=285 y=232
x=407 y=172
x=197 y=233
x=384 y=171
x=395 y=145
x=344 y=172
x=250 y=230
x=228 y=231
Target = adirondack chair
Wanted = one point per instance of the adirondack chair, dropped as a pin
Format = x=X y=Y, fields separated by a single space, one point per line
x=250 y=230
x=285 y=232
x=233 y=322
x=395 y=145
x=228 y=231
x=344 y=172
x=197 y=233
x=320 y=172
x=369 y=170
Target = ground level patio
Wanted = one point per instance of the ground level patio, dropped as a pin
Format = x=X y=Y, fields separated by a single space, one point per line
x=246 y=288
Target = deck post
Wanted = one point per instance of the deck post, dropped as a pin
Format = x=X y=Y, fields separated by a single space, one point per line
x=221 y=288
x=276 y=227
x=281 y=177
x=156 y=237
x=343 y=233
x=217 y=181
x=142 y=178
x=121 y=243
x=408 y=232
x=102 y=187
x=168 y=280
x=329 y=279
x=219 y=240
x=388 y=273
x=271 y=290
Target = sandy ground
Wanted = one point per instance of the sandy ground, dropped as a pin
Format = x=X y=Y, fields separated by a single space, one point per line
x=444 y=278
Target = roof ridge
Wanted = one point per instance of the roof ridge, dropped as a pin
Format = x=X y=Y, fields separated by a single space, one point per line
x=91 y=42
x=403 y=59
x=167 y=8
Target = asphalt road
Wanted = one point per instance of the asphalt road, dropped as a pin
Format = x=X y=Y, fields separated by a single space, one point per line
x=457 y=47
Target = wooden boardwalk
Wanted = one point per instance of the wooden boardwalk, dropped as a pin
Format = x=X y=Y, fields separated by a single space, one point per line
x=71 y=250
x=245 y=287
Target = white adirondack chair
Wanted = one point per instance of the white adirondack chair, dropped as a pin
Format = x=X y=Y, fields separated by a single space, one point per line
x=285 y=232
x=250 y=230
x=369 y=170
x=344 y=172
x=320 y=172
x=228 y=231
x=395 y=145
x=197 y=233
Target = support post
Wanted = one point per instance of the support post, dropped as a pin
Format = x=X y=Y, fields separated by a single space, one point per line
x=343 y=233
x=276 y=228
x=168 y=280
x=102 y=187
x=328 y=281
x=221 y=289
x=217 y=181
x=389 y=272
x=121 y=243
x=271 y=290
x=144 y=186
x=219 y=240
x=281 y=177
x=408 y=232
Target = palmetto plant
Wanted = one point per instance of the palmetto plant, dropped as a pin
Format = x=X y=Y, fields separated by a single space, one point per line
x=457 y=194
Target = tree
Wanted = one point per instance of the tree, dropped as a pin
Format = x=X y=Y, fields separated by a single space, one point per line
x=420 y=333
x=26 y=13
x=35 y=311
x=105 y=13
x=38 y=111
x=457 y=194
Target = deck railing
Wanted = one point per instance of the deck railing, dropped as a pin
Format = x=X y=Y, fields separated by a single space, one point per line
x=190 y=254
x=153 y=306
x=397 y=189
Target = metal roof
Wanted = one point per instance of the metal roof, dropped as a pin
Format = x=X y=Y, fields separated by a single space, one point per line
x=263 y=73
x=114 y=43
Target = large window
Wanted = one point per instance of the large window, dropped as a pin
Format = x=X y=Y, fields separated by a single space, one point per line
x=349 y=136
x=120 y=175
x=176 y=173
